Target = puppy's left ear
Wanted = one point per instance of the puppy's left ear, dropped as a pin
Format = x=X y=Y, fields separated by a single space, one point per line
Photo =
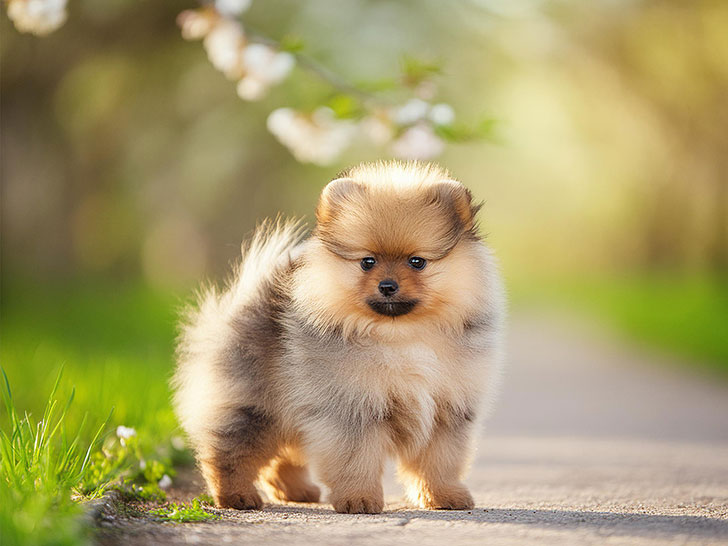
x=335 y=196
x=452 y=195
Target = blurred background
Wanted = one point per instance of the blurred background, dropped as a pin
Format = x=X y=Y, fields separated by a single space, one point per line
x=131 y=170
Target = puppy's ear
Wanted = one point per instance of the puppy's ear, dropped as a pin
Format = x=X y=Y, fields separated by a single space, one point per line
x=458 y=200
x=337 y=194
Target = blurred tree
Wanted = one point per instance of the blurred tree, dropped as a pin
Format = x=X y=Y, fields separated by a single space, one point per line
x=673 y=56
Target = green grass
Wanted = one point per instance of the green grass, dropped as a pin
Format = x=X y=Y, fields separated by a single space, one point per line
x=684 y=315
x=184 y=512
x=115 y=344
x=41 y=466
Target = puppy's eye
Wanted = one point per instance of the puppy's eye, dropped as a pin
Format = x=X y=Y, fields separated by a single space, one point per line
x=417 y=262
x=367 y=263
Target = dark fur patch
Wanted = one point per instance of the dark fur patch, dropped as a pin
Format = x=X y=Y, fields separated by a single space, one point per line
x=454 y=418
x=401 y=422
x=245 y=428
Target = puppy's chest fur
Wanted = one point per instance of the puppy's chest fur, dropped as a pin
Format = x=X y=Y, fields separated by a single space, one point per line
x=405 y=389
x=421 y=387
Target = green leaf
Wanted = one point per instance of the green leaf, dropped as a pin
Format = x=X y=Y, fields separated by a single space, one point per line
x=415 y=71
x=345 y=106
x=463 y=132
x=291 y=43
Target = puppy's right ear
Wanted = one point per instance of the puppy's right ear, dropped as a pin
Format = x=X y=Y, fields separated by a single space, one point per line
x=336 y=195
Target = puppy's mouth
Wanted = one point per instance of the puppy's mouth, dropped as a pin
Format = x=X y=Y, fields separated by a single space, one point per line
x=392 y=308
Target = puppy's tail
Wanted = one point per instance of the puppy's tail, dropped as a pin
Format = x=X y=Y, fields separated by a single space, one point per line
x=207 y=331
x=263 y=255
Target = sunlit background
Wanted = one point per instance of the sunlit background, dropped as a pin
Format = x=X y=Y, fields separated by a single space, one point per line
x=131 y=171
x=129 y=162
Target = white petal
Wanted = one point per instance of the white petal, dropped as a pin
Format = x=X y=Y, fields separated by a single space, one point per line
x=125 y=432
x=280 y=67
x=39 y=17
x=232 y=8
x=418 y=142
x=412 y=111
x=165 y=482
x=442 y=114
x=195 y=24
x=251 y=88
x=256 y=57
x=378 y=130
x=224 y=46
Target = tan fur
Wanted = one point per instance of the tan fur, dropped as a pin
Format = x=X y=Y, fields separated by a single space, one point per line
x=291 y=364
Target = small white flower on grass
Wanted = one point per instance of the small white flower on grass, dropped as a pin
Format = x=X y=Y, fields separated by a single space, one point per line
x=224 y=46
x=319 y=138
x=197 y=23
x=232 y=8
x=142 y=464
x=165 y=482
x=418 y=142
x=124 y=433
x=442 y=114
x=39 y=17
x=411 y=112
x=263 y=68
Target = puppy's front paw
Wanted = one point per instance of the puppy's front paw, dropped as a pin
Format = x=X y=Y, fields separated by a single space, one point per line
x=358 y=504
x=455 y=497
x=240 y=501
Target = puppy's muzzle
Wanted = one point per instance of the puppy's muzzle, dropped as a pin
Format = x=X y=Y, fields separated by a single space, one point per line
x=391 y=308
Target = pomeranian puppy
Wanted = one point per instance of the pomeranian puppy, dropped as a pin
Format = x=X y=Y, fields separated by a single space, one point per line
x=377 y=336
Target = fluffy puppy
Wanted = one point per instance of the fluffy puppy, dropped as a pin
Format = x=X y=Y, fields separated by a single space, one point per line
x=377 y=336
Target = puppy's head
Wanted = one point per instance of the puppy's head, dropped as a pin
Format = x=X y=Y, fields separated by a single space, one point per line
x=395 y=244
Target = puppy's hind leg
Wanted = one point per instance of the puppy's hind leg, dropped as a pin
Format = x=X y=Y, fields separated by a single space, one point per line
x=234 y=455
x=287 y=479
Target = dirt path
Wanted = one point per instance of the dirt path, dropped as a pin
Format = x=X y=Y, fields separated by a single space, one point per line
x=592 y=443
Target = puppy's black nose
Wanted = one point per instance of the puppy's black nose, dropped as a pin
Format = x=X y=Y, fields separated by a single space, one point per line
x=388 y=287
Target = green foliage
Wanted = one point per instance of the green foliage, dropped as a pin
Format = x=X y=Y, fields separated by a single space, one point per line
x=41 y=467
x=415 y=71
x=291 y=43
x=345 y=106
x=185 y=512
x=464 y=132
x=116 y=343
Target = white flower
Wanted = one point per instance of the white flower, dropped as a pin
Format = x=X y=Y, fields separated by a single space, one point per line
x=165 y=482
x=224 y=46
x=232 y=8
x=197 y=23
x=418 y=142
x=378 y=129
x=251 y=88
x=124 y=433
x=442 y=114
x=319 y=138
x=412 y=111
x=266 y=63
x=39 y=17
x=263 y=67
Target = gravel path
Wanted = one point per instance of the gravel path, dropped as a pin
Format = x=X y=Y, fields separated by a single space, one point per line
x=593 y=442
